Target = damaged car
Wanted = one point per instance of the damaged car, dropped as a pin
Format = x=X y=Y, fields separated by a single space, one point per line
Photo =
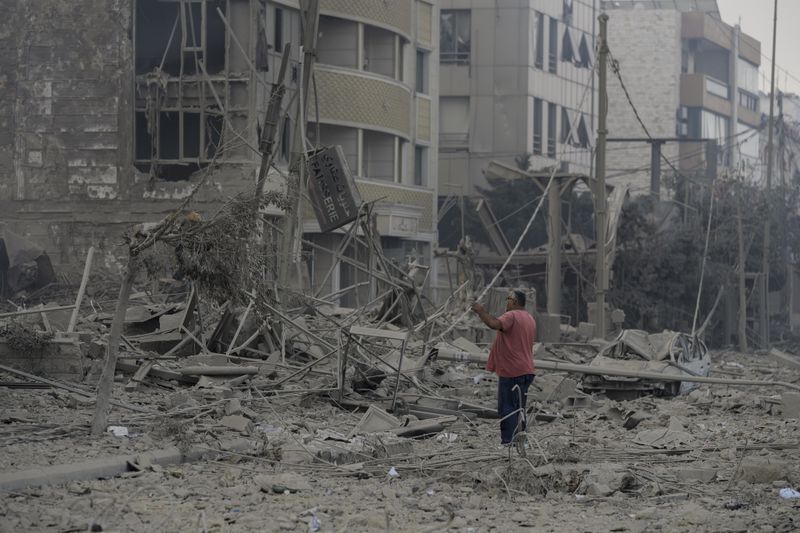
x=669 y=352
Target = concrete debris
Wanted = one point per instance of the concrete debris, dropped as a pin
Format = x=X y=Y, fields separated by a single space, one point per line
x=237 y=423
x=375 y=420
x=331 y=399
x=672 y=436
x=767 y=469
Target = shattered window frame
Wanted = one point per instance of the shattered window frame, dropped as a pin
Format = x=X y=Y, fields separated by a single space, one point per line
x=184 y=86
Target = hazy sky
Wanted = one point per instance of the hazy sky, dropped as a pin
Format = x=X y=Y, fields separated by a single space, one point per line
x=755 y=17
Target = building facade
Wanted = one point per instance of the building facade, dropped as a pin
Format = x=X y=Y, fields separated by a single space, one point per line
x=110 y=110
x=516 y=78
x=689 y=76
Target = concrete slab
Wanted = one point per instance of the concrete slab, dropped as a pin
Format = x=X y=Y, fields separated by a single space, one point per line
x=790 y=405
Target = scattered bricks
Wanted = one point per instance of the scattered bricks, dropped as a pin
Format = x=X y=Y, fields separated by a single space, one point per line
x=790 y=405
x=763 y=470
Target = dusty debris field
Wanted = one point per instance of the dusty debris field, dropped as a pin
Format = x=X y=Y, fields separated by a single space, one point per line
x=714 y=460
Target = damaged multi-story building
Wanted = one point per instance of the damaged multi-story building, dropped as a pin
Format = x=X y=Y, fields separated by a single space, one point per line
x=693 y=81
x=110 y=108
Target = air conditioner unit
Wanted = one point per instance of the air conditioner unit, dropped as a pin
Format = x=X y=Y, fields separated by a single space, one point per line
x=682 y=129
x=682 y=114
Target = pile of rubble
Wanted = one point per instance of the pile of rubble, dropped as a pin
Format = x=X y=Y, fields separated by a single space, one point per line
x=379 y=417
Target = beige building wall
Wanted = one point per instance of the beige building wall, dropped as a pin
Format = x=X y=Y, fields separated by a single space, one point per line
x=647 y=44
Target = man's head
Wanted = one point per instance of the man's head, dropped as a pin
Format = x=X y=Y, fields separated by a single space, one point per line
x=515 y=300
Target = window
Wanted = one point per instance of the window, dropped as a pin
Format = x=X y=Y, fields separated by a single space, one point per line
x=537 y=126
x=454 y=43
x=338 y=42
x=177 y=122
x=570 y=47
x=278 y=34
x=703 y=123
x=420 y=165
x=379 y=52
x=454 y=121
x=422 y=72
x=552 y=52
x=747 y=76
x=567 y=12
x=538 y=25
x=748 y=101
x=566 y=124
x=586 y=52
x=584 y=139
x=378 y=155
x=551 y=130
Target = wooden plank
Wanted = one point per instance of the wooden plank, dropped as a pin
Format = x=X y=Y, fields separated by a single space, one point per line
x=87 y=268
x=138 y=377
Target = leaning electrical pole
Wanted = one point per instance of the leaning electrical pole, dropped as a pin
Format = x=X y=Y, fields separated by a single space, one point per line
x=293 y=223
x=764 y=301
x=601 y=276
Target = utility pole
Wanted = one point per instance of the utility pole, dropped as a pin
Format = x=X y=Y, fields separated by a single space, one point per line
x=742 y=329
x=293 y=220
x=601 y=275
x=764 y=318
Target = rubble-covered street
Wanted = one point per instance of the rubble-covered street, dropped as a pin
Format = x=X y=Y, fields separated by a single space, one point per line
x=210 y=442
x=420 y=266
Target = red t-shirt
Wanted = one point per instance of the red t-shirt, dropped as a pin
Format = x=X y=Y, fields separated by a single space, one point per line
x=512 y=350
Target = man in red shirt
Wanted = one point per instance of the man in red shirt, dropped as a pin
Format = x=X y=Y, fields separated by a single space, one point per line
x=511 y=358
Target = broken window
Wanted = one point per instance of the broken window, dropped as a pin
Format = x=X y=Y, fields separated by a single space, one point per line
x=454 y=42
x=585 y=52
x=188 y=75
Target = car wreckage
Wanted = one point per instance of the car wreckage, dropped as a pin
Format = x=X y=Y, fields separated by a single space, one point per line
x=670 y=353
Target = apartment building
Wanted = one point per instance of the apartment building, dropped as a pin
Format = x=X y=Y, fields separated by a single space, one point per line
x=107 y=116
x=375 y=94
x=689 y=76
x=516 y=77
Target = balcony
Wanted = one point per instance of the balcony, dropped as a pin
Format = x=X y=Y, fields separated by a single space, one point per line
x=383 y=104
x=403 y=203
x=403 y=211
x=717 y=88
x=398 y=17
x=699 y=90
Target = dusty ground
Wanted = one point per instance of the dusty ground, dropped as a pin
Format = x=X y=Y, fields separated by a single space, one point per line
x=711 y=461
